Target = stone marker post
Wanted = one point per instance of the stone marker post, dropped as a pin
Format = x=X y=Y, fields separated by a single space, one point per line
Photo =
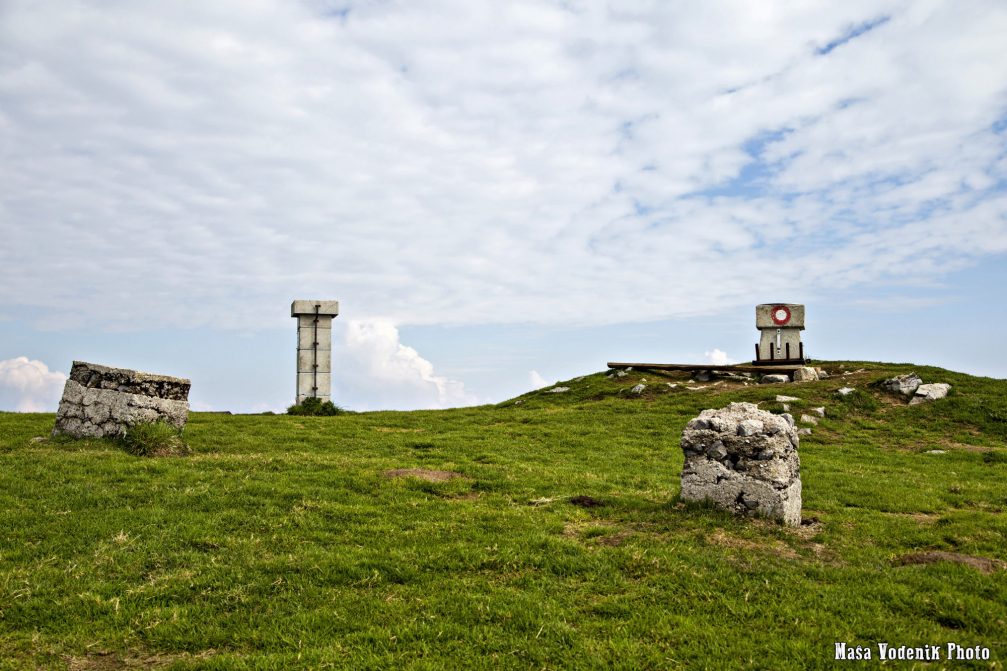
x=780 y=325
x=314 y=347
x=745 y=460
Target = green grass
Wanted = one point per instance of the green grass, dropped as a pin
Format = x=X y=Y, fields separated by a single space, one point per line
x=156 y=439
x=281 y=543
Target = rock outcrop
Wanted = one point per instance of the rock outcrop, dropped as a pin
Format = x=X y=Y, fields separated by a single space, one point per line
x=102 y=401
x=906 y=385
x=745 y=460
x=930 y=392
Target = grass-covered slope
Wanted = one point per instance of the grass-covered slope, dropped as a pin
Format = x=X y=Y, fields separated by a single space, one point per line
x=281 y=542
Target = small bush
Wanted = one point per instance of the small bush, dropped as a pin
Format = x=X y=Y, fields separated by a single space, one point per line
x=314 y=406
x=155 y=439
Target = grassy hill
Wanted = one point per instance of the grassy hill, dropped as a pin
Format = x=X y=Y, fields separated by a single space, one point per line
x=304 y=542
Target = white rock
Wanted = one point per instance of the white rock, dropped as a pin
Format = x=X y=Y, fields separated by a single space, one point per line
x=809 y=419
x=930 y=392
x=846 y=391
x=804 y=432
x=750 y=427
x=805 y=374
x=935 y=452
x=774 y=379
x=903 y=384
x=819 y=411
x=558 y=390
x=638 y=389
x=780 y=398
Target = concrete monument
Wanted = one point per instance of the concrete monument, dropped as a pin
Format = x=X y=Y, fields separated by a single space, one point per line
x=314 y=347
x=780 y=325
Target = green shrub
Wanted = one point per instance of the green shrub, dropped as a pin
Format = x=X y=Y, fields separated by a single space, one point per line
x=154 y=439
x=314 y=406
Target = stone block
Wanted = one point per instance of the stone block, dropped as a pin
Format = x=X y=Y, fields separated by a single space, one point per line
x=764 y=316
x=103 y=401
x=305 y=338
x=306 y=358
x=308 y=321
x=304 y=383
x=745 y=460
x=307 y=307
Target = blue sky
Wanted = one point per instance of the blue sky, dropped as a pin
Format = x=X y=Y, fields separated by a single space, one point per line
x=499 y=194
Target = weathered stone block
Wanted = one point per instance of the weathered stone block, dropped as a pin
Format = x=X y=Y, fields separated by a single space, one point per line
x=745 y=460
x=102 y=401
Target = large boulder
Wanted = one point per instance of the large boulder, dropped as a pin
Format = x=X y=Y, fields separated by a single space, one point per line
x=745 y=460
x=906 y=385
x=102 y=401
x=930 y=392
x=805 y=374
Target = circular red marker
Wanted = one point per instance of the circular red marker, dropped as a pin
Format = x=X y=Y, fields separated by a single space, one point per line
x=781 y=314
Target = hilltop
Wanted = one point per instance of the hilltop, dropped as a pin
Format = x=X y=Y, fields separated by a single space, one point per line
x=543 y=532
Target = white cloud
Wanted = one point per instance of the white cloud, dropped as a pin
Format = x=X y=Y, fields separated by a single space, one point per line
x=450 y=161
x=717 y=357
x=29 y=386
x=537 y=381
x=375 y=371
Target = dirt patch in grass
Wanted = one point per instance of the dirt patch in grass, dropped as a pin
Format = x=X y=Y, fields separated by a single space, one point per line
x=613 y=540
x=596 y=533
x=921 y=518
x=586 y=501
x=110 y=661
x=423 y=474
x=392 y=429
x=774 y=547
x=982 y=564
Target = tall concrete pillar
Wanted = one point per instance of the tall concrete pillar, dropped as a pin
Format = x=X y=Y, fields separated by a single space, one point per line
x=314 y=347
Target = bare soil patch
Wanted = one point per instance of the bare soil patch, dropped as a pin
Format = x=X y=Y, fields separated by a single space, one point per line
x=982 y=564
x=423 y=474
x=775 y=547
x=586 y=501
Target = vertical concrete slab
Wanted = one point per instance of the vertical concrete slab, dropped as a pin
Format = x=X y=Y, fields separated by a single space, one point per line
x=314 y=347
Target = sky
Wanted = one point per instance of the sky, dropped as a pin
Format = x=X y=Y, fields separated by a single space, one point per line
x=500 y=195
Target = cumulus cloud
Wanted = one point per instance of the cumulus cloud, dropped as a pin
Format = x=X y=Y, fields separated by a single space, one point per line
x=29 y=386
x=717 y=357
x=448 y=161
x=537 y=381
x=375 y=371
